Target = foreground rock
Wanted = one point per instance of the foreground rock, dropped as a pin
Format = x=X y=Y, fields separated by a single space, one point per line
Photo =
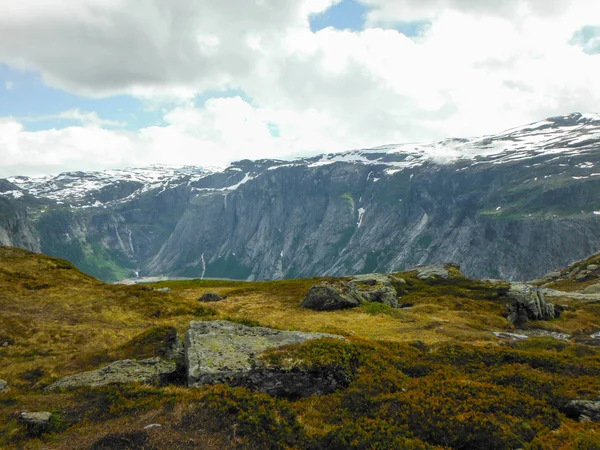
x=148 y=371
x=4 y=387
x=335 y=295
x=584 y=410
x=529 y=303
x=225 y=352
x=36 y=422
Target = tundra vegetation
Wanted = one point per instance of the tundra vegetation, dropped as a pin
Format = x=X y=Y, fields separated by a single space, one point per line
x=431 y=375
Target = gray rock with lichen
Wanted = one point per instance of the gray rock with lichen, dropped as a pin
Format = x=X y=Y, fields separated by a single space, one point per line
x=332 y=295
x=4 y=387
x=432 y=272
x=147 y=371
x=529 y=303
x=36 y=422
x=335 y=295
x=211 y=297
x=584 y=410
x=226 y=352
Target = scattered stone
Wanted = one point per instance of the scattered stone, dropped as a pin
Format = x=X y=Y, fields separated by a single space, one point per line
x=398 y=279
x=529 y=303
x=226 y=352
x=36 y=422
x=592 y=289
x=428 y=273
x=132 y=440
x=593 y=267
x=211 y=297
x=584 y=409
x=332 y=295
x=511 y=336
x=552 y=334
x=147 y=371
x=152 y=426
x=4 y=387
x=165 y=290
x=595 y=335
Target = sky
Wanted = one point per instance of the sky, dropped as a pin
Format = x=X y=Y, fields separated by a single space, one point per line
x=96 y=84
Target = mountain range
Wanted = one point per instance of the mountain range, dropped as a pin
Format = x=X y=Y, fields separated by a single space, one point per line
x=513 y=205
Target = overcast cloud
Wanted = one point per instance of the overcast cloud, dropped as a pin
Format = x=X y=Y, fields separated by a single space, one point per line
x=476 y=67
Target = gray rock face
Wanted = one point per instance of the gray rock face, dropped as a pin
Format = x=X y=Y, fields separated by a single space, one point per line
x=147 y=371
x=4 y=387
x=585 y=410
x=433 y=272
x=226 y=352
x=211 y=297
x=36 y=422
x=529 y=303
x=335 y=295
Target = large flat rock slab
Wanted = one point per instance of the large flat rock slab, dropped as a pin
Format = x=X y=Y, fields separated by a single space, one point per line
x=147 y=371
x=226 y=352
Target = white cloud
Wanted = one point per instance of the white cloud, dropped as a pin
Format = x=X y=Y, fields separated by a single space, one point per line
x=479 y=67
x=86 y=118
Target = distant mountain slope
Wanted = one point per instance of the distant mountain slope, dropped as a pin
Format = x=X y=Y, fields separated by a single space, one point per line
x=514 y=205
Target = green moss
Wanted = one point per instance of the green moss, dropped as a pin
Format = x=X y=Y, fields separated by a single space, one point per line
x=258 y=420
x=332 y=357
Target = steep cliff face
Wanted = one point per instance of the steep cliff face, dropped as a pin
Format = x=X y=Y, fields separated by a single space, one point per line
x=346 y=218
x=511 y=206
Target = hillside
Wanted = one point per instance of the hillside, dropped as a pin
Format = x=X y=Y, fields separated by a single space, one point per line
x=515 y=206
x=428 y=374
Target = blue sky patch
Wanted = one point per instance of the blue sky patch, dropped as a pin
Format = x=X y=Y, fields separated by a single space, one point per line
x=588 y=38
x=347 y=14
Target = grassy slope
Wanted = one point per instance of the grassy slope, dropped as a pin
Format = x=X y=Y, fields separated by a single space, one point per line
x=436 y=363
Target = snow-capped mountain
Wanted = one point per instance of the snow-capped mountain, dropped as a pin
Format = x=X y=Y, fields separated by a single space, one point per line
x=514 y=205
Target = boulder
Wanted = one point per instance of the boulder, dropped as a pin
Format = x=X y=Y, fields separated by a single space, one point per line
x=36 y=422
x=4 y=387
x=529 y=303
x=332 y=295
x=434 y=272
x=592 y=289
x=584 y=410
x=165 y=290
x=211 y=297
x=147 y=371
x=225 y=352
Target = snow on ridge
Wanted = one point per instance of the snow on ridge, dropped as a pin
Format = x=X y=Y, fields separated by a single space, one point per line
x=77 y=186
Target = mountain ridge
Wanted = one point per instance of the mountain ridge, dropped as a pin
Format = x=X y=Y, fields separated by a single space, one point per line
x=490 y=204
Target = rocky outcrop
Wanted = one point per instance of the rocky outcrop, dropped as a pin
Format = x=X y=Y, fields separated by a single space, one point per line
x=529 y=303
x=225 y=352
x=148 y=371
x=211 y=297
x=584 y=410
x=36 y=422
x=4 y=387
x=335 y=295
